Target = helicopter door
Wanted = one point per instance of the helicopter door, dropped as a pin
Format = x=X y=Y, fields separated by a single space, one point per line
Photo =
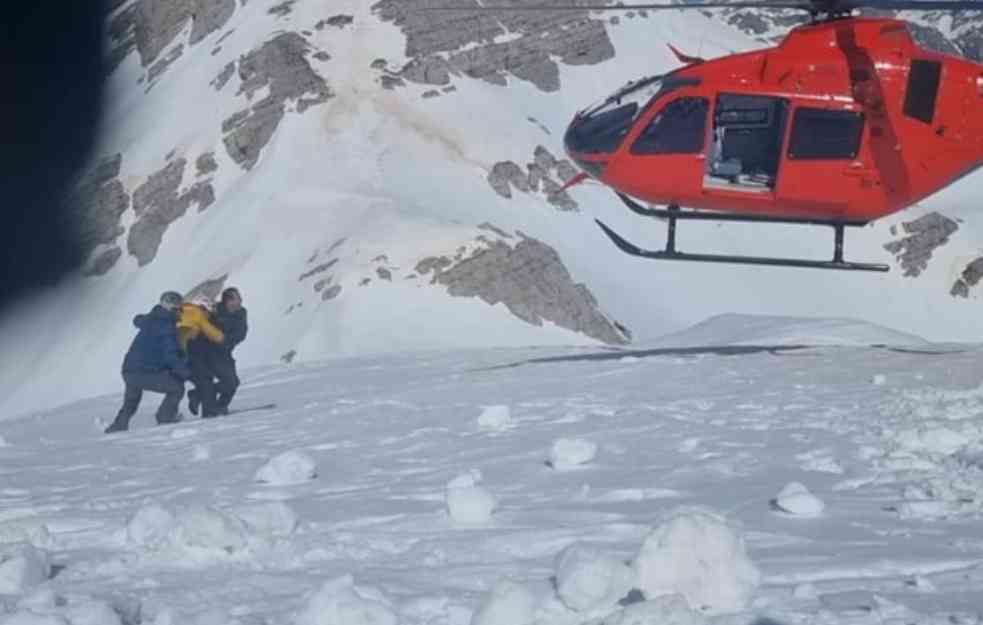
x=673 y=143
x=823 y=145
x=747 y=141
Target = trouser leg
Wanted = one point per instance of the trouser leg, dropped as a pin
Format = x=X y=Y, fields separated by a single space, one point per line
x=131 y=402
x=228 y=382
x=201 y=376
x=171 y=387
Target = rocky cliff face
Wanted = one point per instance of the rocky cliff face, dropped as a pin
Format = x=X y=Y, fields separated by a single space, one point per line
x=291 y=70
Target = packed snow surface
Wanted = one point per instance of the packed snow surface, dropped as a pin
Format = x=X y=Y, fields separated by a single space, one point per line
x=419 y=516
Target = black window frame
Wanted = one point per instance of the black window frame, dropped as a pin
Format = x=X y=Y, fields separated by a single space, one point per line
x=816 y=143
x=645 y=145
x=922 y=91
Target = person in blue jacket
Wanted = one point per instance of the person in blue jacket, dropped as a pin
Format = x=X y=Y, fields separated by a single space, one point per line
x=154 y=363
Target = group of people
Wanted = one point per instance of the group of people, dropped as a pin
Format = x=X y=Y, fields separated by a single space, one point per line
x=178 y=341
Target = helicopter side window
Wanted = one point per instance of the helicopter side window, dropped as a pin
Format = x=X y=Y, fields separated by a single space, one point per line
x=923 y=89
x=823 y=134
x=679 y=128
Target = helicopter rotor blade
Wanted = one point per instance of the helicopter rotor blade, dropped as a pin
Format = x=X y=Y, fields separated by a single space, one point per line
x=915 y=5
x=659 y=6
x=811 y=6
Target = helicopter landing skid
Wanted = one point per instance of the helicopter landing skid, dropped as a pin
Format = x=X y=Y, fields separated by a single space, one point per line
x=673 y=214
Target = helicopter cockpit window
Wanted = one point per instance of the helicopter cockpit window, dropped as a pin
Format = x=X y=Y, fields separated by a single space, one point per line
x=602 y=127
x=824 y=134
x=680 y=128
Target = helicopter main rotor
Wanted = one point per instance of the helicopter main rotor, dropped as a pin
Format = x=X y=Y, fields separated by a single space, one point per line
x=828 y=9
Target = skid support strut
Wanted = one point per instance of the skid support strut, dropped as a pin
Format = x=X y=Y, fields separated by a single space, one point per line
x=673 y=214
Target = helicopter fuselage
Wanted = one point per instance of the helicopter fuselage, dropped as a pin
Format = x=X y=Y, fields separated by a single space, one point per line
x=846 y=119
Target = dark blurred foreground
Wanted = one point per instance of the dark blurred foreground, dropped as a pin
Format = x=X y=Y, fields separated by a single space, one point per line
x=52 y=72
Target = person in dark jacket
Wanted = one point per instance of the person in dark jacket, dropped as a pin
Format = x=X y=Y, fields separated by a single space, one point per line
x=214 y=360
x=154 y=363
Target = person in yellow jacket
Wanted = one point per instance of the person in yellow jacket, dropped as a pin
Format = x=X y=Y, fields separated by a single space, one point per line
x=194 y=320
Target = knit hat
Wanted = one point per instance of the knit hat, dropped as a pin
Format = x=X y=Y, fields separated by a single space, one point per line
x=171 y=300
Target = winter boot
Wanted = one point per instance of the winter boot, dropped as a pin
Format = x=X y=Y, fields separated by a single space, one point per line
x=177 y=418
x=116 y=426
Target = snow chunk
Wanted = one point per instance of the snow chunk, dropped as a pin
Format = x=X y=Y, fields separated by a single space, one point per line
x=201 y=527
x=26 y=530
x=587 y=579
x=509 y=603
x=190 y=530
x=820 y=460
x=796 y=500
x=934 y=440
x=926 y=510
x=3 y=442
x=41 y=599
x=91 y=612
x=180 y=433
x=570 y=452
x=697 y=553
x=879 y=380
x=290 y=467
x=150 y=526
x=665 y=610
x=275 y=519
x=341 y=602
x=22 y=566
x=495 y=419
x=201 y=453
x=467 y=501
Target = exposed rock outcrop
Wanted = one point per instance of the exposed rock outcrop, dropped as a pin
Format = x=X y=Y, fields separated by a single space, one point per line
x=102 y=262
x=158 y=203
x=224 y=76
x=206 y=164
x=337 y=21
x=530 y=279
x=283 y=9
x=536 y=178
x=536 y=39
x=281 y=65
x=161 y=65
x=101 y=199
x=150 y=26
x=970 y=277
x=925 y=234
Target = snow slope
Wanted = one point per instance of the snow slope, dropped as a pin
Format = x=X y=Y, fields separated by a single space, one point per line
x=376 y=180
x=732 y=329
x=334 y=507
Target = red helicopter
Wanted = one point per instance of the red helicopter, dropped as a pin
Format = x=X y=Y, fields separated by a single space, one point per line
x=845 y=121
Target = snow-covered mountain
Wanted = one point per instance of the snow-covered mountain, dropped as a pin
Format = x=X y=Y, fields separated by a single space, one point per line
x=376 y=177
